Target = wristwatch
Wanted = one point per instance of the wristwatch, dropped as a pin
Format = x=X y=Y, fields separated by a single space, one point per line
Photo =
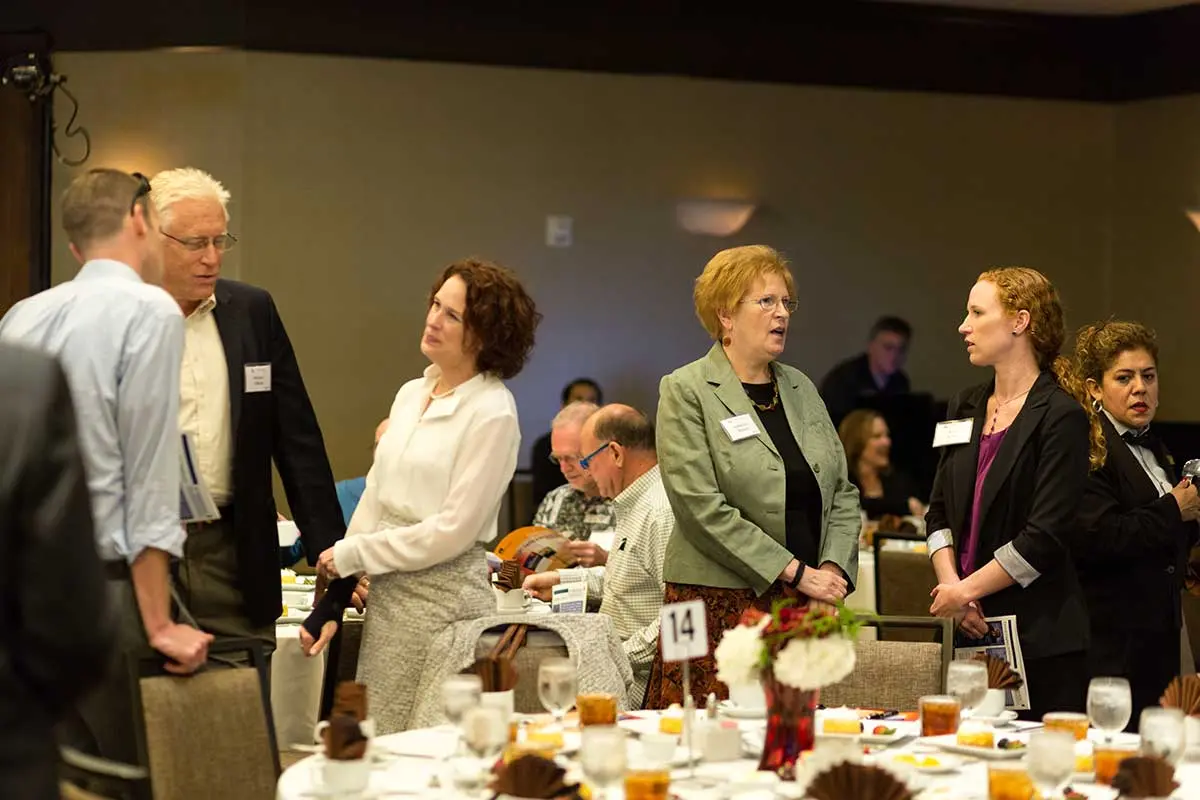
x=795 y=581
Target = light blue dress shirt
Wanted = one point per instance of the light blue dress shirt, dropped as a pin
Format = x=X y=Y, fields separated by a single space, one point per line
x=120 y=342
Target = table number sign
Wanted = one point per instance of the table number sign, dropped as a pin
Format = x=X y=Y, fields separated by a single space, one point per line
x=684 y=633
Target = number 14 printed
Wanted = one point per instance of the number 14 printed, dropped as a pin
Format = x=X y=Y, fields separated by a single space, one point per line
x=684 y=633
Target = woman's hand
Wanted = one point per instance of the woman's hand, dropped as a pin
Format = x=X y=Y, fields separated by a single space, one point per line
x=949 y=599
x=326 y=565
x=971 y=622
x=915 y=507
x=823 y=584
x=1188 y=498
x=359 y=598
x=313 y=648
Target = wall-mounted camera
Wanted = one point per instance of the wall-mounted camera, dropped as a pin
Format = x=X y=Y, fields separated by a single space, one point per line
x=33 y=77
x=27 y=75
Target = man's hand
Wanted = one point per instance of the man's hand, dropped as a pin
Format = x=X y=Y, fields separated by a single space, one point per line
x=589 y=555
x=539 y=584
x=359 y=598
x=185 y=647
x=311 y=648
x=325 y=565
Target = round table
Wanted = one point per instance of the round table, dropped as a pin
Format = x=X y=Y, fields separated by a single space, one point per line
x=408 y=762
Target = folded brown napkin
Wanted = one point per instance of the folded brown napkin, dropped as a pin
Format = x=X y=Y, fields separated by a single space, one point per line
x=350 y=698
x=496 y=669
x=1000 y=674
x=533 y=776
x=1144 y=776
x=847 y=781
x=344 y=739
x=1183 y=693
x=509 y=576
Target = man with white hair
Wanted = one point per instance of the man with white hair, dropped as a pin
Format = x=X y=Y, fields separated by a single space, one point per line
x=118 y=338
x=575 y=509
x=243 y=402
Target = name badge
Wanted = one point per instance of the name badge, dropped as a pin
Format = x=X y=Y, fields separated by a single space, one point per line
x=954 y=431
x=258 y=378
x=740 y=427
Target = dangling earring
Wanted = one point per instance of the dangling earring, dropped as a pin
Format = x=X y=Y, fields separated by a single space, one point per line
x=1096 y=406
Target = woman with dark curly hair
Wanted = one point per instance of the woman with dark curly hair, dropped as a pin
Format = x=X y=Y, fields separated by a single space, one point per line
x=433 y=494
x=1137 y=521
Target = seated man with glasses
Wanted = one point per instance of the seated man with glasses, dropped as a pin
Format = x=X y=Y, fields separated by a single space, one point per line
x=575 y=509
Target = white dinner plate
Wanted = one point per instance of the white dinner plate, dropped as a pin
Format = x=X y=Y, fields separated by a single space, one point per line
x=945 y=763
x=950 y=744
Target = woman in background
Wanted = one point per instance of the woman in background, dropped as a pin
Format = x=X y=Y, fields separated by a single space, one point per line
x=433 y=494
x=1137 y=523
x=1002 y=518
x=882 y=489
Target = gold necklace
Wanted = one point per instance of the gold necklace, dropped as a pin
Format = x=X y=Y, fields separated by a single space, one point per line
x=774 y=399
x=999 y=405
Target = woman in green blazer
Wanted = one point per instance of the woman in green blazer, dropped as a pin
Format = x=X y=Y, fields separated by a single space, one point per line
x=753 y=467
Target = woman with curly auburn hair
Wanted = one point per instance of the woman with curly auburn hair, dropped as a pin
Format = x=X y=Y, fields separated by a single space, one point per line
x=433 y=494
x=1002 y=518
x=1137 y=523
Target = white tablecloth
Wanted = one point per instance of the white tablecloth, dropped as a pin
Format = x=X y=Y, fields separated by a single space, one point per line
x=863 y=596
x=409 y=760
x=296 y=682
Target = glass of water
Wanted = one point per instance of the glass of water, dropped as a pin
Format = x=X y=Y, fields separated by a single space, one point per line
x=967 y=680
x=1050 y=761
x=485 y=733
x=1162 y=733
x=1109 y=705
x=557 y=687
x=602 y=755
x=459 y=694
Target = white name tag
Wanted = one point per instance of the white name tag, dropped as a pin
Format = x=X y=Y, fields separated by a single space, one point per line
x=740 y=427
x=954 y=431
x=258 y=378
x=603 y=539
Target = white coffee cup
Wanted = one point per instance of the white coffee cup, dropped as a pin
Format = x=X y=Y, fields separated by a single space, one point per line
x=658 y=749
x=514 y=600
x=345 y=776
x=1191 y=732
x=992 y=705
x=367 y=726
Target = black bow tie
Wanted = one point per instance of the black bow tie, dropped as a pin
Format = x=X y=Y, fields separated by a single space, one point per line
x=1144 y=439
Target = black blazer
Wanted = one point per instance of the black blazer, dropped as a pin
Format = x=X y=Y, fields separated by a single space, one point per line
x=1132 y=556
x=59 y=629
x=1030 y=498
x=280 y=425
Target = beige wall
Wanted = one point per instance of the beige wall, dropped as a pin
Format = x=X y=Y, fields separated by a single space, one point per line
x=354 y=180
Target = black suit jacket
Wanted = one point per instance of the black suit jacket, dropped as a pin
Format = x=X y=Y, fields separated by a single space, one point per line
x=845 y=386
x=1031 y=498
x=58 y=627
x=1132 y=556
x=278 y=425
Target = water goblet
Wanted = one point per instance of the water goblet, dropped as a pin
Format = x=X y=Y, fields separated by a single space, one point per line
x=557 y=687
x=1050 y=760
x=967 y=680
x=1109 y=705
x=1162 y=734
x=602 y=755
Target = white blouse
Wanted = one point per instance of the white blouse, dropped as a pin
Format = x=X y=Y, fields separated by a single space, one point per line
x=438 y=479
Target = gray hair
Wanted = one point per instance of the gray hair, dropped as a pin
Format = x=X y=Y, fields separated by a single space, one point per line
x=185 y=183
x=574 y=414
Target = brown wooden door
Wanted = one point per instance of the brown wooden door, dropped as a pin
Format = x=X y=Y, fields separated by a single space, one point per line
x=24 y=179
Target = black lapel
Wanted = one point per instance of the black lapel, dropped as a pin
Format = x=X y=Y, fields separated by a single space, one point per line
x=965 y=459
x=230 y=325
x=1127 y=466
x=1018 y=435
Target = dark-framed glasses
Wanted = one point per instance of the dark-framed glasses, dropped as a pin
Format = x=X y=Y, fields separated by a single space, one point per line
x=770 y=302
x=586 y=461
x=143 y=190
x=223 y=242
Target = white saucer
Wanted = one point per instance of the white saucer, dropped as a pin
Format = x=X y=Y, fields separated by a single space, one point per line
x=728 y=709
x=1005 y=717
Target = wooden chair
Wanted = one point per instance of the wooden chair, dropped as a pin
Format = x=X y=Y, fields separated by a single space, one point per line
x=86 y=777
x=210 y=734
x=890 y=674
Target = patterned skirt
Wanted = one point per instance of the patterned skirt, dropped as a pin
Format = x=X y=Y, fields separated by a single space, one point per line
x=724 y=608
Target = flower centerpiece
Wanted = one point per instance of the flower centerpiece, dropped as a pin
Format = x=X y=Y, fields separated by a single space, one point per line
x=793 y=652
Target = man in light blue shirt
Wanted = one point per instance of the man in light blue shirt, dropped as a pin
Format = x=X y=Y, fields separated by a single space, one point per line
x=119 y=339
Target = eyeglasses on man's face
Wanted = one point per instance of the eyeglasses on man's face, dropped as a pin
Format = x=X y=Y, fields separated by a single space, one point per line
x=770 y=302
x=558 y=460
x=586 y=461
x=223 y=242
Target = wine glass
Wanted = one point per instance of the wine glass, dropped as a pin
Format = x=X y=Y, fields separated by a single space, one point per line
x=1162 y=734
x=602 y=755
x=484 y=732
x=968 y=681
x=557 y=687
x=1050 y=760
x=1109 y=705
x=460 y=693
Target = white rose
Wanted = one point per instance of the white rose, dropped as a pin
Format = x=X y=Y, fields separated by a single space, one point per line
x=809 y=664
x=738 y=654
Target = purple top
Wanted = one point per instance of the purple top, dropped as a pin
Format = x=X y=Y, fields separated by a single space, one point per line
x=989 y=445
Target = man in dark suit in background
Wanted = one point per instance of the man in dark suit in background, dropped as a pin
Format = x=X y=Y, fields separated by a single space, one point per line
x=243 y=402
x=59 y=628
x=877 y=372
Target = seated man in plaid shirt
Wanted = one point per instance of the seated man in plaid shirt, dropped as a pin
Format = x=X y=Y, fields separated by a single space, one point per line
x=618 y=442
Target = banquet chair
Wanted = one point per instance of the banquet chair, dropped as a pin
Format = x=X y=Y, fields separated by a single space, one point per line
x=210 y=734
x=88 y=777
x=892 y=675
x=903 y=581
x=540 y=644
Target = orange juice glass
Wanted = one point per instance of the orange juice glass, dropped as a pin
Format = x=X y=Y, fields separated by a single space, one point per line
x=1107 y=759
x=1009 y=781
x=1069 y=721
x=647 y=784
x=596 y=708
x=939 y=714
